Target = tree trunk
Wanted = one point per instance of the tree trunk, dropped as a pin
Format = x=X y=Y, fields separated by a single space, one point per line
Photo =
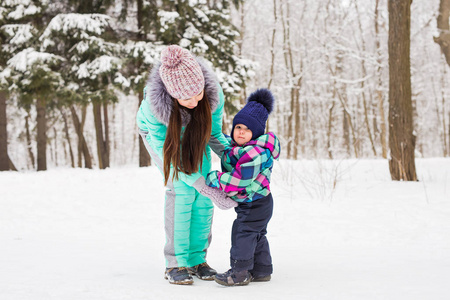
x=304 y=113
x=82 y=123
x=363 y=87
x=444 y=29
x=444 y=42
x=366 y=121
x=290 y=137
x=295 y=80
x=438 y=110
x=383 y=130
x=356 y=142
x=144 y=157
x=272 y=49
x=347 y=119
x=297 y=129
x=444 y=126
x=66 y=132
x=12 y=167
x=82 y=145
x=28 y=135
x=54 y=151
x=101 y=146
x=330 y=128
x=41 y=135
x=401 y=138
x=346 y=131
x=4 y=159
x=106 y=139
x=289 y=120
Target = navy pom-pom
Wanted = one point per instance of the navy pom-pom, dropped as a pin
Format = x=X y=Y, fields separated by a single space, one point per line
x=264 y=97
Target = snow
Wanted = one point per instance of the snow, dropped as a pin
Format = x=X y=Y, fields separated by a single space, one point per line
x=82 y=47
x=22 y=8
x=77 y=25
x=26 y=58
x=191 y=32
x=201 y=15
x=167 y=18
x=103 y=64
x=100 y=65
x=149 y=51
x=193 y=3
x=21 y=33
x=340 y=230
x=4 y=74
x=121 y=80
x=81 y=71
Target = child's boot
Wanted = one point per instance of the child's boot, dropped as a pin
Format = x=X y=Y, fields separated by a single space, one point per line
x=261 y=278
x=203 y=271
x=232 y=278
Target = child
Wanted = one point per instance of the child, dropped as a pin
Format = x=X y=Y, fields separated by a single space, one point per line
x=247 y=166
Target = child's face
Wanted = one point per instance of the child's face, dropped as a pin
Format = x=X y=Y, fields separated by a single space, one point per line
x=242 y=134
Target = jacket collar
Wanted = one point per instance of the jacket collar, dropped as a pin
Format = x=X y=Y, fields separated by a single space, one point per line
x=267 y=141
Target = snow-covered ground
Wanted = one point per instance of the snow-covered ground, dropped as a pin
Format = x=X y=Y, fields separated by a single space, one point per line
x=340 y=230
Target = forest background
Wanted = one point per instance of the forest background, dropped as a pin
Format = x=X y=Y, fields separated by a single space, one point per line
x=72 y=74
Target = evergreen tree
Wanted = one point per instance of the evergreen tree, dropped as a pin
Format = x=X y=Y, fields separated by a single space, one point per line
x=205 y=28
x=27 y=73
x=140 y=53
x=91 y=68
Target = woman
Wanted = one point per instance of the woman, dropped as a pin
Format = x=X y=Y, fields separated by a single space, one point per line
x=179 y=120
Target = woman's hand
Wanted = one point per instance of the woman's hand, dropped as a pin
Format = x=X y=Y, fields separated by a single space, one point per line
x=219 y=197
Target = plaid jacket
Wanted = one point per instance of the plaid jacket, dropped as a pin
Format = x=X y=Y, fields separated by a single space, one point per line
x=247 y=169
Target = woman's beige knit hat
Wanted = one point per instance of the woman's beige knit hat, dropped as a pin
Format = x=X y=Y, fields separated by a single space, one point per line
x=181 y=73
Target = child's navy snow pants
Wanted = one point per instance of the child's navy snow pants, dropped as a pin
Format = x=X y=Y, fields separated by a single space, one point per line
x=249 y=245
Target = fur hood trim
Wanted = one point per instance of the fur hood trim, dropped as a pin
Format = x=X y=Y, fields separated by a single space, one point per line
x=161 y=101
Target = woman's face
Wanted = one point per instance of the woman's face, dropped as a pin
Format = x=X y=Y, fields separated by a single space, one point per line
x=242 y=134
x=191 y=103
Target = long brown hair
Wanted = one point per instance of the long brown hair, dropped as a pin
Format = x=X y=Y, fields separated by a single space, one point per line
x=186 y=154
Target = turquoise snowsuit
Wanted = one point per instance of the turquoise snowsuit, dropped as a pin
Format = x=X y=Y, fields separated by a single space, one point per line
x=188 y=214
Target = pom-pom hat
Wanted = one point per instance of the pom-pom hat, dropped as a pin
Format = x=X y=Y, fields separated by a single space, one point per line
x=181 y=73
x=255 y=113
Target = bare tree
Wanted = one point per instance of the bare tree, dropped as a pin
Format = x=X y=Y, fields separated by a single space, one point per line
x=364 y=75
x=379 y=92
x=401 y=137
x=444 y=27
x=272 y=48
x=443 y=40
x=295 y=82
